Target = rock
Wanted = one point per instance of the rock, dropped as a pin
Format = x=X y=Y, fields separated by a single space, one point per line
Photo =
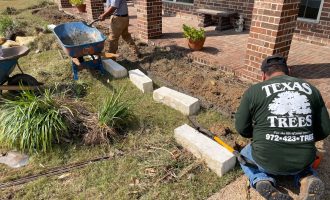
x=14 y=159
x=24 y=41
x=213 y=83
x=10 y=43
x=115 y=69
x=217 y=158
x=141 y=81
x=187 y=105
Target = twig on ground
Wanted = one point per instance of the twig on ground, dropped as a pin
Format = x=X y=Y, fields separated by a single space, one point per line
x=169 y=173
x=189 y=168
x=159 y=148
x=52 y=172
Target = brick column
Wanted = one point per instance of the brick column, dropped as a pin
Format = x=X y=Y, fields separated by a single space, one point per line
x=272 y=27
x=94 y=8
x=149 y=19
x=64 y=4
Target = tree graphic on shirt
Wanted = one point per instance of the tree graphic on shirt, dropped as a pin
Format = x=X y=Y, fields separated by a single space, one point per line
x=290 y=103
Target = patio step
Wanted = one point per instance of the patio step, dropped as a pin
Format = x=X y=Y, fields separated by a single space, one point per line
x=141 y=81
x=115 y=69
x=217 y=158
x=187 y=105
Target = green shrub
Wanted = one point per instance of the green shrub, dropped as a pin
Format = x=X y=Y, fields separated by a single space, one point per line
x=32 y=123
x=114 y=112
x=192 y=33
x=77 y=2
x=6 y=23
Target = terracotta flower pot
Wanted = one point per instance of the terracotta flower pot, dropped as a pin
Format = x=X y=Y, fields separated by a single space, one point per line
x=196 y=45
x=81 y=8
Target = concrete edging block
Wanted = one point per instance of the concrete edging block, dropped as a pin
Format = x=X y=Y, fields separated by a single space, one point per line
x=141 y=81
x=186 y=104
x=115 y=69
x=217 y=158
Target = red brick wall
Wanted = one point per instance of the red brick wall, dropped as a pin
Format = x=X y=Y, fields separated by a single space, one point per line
x=64 y=4
x=177 y=9
x=316 y=33
x=244 y=7
x=149 y=18
x=271 y=33
x=94 y=8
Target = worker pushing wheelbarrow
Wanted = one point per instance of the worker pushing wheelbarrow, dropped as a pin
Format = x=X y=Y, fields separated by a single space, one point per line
x=8 y=61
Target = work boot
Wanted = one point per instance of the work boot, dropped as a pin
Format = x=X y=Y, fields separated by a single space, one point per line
x=269 y=192
x=311 y=188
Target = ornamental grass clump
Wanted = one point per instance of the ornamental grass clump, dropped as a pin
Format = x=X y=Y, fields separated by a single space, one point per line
x=114 y=113
x=9 y=27
x=33 y=123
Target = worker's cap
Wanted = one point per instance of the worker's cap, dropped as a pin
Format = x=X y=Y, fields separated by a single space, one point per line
x=270 y=61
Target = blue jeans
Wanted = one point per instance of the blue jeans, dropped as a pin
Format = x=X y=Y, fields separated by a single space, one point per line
x=256 y=174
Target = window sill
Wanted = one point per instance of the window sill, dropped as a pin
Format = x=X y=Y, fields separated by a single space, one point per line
x=180 y=3
x=312 y=21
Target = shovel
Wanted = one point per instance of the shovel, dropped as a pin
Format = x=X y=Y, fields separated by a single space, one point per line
x=90 y=24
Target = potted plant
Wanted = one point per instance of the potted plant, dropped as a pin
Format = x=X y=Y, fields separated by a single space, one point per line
x=79 y=4
x=196 y=38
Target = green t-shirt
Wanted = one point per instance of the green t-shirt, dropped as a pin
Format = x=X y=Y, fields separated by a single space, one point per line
x=284 y=116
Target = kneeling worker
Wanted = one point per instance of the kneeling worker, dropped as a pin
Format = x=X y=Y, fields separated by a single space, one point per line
x=284 y=116
x=119 y=22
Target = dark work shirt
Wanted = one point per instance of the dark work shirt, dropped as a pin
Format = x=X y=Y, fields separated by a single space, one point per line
x=284 y=116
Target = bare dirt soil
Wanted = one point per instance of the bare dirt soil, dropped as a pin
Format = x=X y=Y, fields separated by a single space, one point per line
x=171 y=67
x=53 y=15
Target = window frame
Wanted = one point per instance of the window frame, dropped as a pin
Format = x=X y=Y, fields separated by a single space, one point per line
x=317 y=20
x=183 y=3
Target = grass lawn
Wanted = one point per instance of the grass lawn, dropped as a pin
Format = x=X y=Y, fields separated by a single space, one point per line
x=150 y=160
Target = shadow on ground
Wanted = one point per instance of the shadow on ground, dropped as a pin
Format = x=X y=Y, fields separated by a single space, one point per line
x=311 y=71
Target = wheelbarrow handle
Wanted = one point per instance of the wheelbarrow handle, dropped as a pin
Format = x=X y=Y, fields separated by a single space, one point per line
x=90 y=24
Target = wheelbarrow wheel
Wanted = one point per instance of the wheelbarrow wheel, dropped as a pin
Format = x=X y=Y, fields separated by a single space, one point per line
x=23 y=80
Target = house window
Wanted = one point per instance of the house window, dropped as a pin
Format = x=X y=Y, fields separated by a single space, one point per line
x=185 y=1
x=181 y=1
x=310 y=10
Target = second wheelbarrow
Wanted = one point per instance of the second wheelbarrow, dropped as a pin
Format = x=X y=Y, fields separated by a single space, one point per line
x=8 y=62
